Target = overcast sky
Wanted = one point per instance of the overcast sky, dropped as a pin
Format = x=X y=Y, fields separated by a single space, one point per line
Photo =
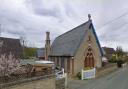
x=32 y=18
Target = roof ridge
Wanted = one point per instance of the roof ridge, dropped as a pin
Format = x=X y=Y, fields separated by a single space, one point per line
x=9 y=38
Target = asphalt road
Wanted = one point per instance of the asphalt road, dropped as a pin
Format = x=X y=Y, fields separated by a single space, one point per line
x=116 y=80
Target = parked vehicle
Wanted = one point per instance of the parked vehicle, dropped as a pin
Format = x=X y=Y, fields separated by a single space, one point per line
x=120 y=63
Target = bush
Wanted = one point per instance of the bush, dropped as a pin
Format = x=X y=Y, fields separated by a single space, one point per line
x=112 y=61
x=79 y=75
x=88 y=68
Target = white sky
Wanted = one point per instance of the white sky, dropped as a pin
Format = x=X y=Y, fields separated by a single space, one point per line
x=32 y=18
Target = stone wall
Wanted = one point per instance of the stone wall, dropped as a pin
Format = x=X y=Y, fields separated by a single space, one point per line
x=60 y=84
x=82 y=50
x=44 y=82
x=109 y=68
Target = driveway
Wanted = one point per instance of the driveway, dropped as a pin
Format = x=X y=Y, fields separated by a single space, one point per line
x=116 y=80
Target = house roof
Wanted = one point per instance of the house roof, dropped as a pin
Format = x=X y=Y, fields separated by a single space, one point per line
x=68 y=43
x=41 y=52
x=8 y=45
x=108 y=50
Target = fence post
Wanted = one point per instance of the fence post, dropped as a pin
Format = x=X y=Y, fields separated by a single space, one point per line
x=66 y=82
x=94 y=72
x=82 y=74
x=63 y=71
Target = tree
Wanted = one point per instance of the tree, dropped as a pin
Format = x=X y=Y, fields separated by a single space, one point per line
x=119 y=51
x=23 y=43
x=29 y=52
x=120 y=54
x=8 y=65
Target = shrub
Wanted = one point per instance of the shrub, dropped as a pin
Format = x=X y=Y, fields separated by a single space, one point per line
x=79 y=75
x=112 y=61
x=88 y=68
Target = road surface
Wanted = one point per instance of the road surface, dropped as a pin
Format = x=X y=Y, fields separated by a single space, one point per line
x=116 y=80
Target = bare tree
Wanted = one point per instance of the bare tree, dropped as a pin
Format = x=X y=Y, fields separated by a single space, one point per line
x=23 y=43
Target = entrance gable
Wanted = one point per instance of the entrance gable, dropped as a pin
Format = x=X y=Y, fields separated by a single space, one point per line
x=88 y=40
x=92 y=42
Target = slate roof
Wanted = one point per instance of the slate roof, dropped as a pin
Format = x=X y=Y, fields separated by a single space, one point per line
x=68 y=43
x=41 y=52
x=108 y=50
x=8 y=45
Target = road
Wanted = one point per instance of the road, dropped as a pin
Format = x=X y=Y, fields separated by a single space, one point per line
x=116 y=80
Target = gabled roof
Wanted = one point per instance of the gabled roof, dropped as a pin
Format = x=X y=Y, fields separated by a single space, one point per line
x=8 y=45
x=108 y=50
x=68 y=43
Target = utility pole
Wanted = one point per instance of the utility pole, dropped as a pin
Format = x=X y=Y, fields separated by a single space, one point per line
x=0 y=30
x=22 y=41
x=23 y=49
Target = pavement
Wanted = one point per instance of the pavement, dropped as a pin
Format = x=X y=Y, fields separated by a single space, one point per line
x=115 y=80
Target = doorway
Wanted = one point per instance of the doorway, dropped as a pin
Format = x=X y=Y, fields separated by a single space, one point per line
x=89 y=58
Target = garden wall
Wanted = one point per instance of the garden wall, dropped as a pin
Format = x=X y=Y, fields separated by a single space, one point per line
x=106 y=69
x=44 y=82
x=60 y=84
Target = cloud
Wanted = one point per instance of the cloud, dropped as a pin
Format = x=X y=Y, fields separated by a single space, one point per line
x=32 y=18
x=38 y=8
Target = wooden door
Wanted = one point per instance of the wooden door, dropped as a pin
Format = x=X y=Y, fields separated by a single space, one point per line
x=89 y=58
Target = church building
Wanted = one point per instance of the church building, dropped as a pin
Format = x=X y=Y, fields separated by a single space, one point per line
x=77 y=49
